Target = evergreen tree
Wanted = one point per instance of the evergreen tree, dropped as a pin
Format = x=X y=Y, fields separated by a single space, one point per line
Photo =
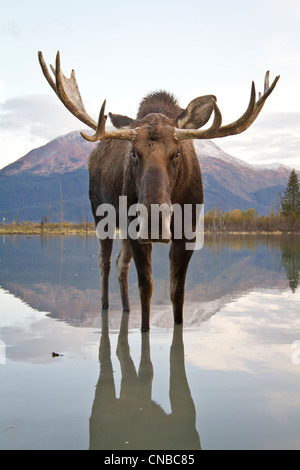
x=290 y=202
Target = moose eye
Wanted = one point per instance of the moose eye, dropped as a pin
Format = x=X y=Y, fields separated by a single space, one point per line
x=135 y=155
x=175 y=156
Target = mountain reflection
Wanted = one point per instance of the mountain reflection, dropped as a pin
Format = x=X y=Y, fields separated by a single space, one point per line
x=134 y=420
x=60 y=276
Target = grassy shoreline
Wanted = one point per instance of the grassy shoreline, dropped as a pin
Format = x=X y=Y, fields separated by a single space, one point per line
x=68 y=228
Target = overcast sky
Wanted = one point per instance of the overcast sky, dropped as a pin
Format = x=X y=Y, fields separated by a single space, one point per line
x=122 y=50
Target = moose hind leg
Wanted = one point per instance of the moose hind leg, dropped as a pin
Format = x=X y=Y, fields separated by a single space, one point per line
x=123 y=263
x=104 y=265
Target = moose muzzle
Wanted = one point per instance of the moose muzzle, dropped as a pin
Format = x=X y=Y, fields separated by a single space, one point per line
x=154 y=223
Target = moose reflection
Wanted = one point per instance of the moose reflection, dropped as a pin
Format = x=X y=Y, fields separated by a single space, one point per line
x=134 y=420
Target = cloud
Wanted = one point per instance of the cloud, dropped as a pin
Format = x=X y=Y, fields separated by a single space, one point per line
x=275 y=137
x=40 y=116
x=28 y=122
x=11 y=28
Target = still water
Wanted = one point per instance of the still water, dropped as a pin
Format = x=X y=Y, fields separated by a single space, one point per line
x=229 y=379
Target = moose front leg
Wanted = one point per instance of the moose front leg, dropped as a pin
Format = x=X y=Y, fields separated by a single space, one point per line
x=142 y=259
x=179 y=261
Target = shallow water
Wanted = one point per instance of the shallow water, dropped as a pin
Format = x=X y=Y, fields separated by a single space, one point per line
x=229 y=379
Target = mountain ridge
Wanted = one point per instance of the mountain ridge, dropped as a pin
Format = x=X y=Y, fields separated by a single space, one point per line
x=51 y=157
x=32 y=184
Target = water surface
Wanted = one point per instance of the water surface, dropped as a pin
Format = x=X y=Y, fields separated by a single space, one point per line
x=229 y=379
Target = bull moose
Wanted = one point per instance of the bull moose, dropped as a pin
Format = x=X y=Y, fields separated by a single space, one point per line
x=150 y=160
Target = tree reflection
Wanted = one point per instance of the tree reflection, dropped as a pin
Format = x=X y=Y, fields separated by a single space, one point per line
x=134 y=420
x=290 y=261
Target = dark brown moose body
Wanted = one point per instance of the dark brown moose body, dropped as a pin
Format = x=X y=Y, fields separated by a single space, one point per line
x=151 y=162
x=155 y=169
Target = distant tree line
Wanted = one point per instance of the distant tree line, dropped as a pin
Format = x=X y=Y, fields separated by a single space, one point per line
x=285 y=219
x=249 y=221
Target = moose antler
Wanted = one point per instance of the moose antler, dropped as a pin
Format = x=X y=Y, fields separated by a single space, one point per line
x=245 y=121
x=68 y=92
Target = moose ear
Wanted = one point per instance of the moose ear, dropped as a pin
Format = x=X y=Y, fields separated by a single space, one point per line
x=197 y=113
x=120 y=121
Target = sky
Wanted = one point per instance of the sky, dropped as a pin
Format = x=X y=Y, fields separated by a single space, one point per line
x=122 y=50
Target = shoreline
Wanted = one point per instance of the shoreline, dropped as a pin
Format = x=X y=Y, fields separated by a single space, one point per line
x=66 y=228
x=89 y=229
